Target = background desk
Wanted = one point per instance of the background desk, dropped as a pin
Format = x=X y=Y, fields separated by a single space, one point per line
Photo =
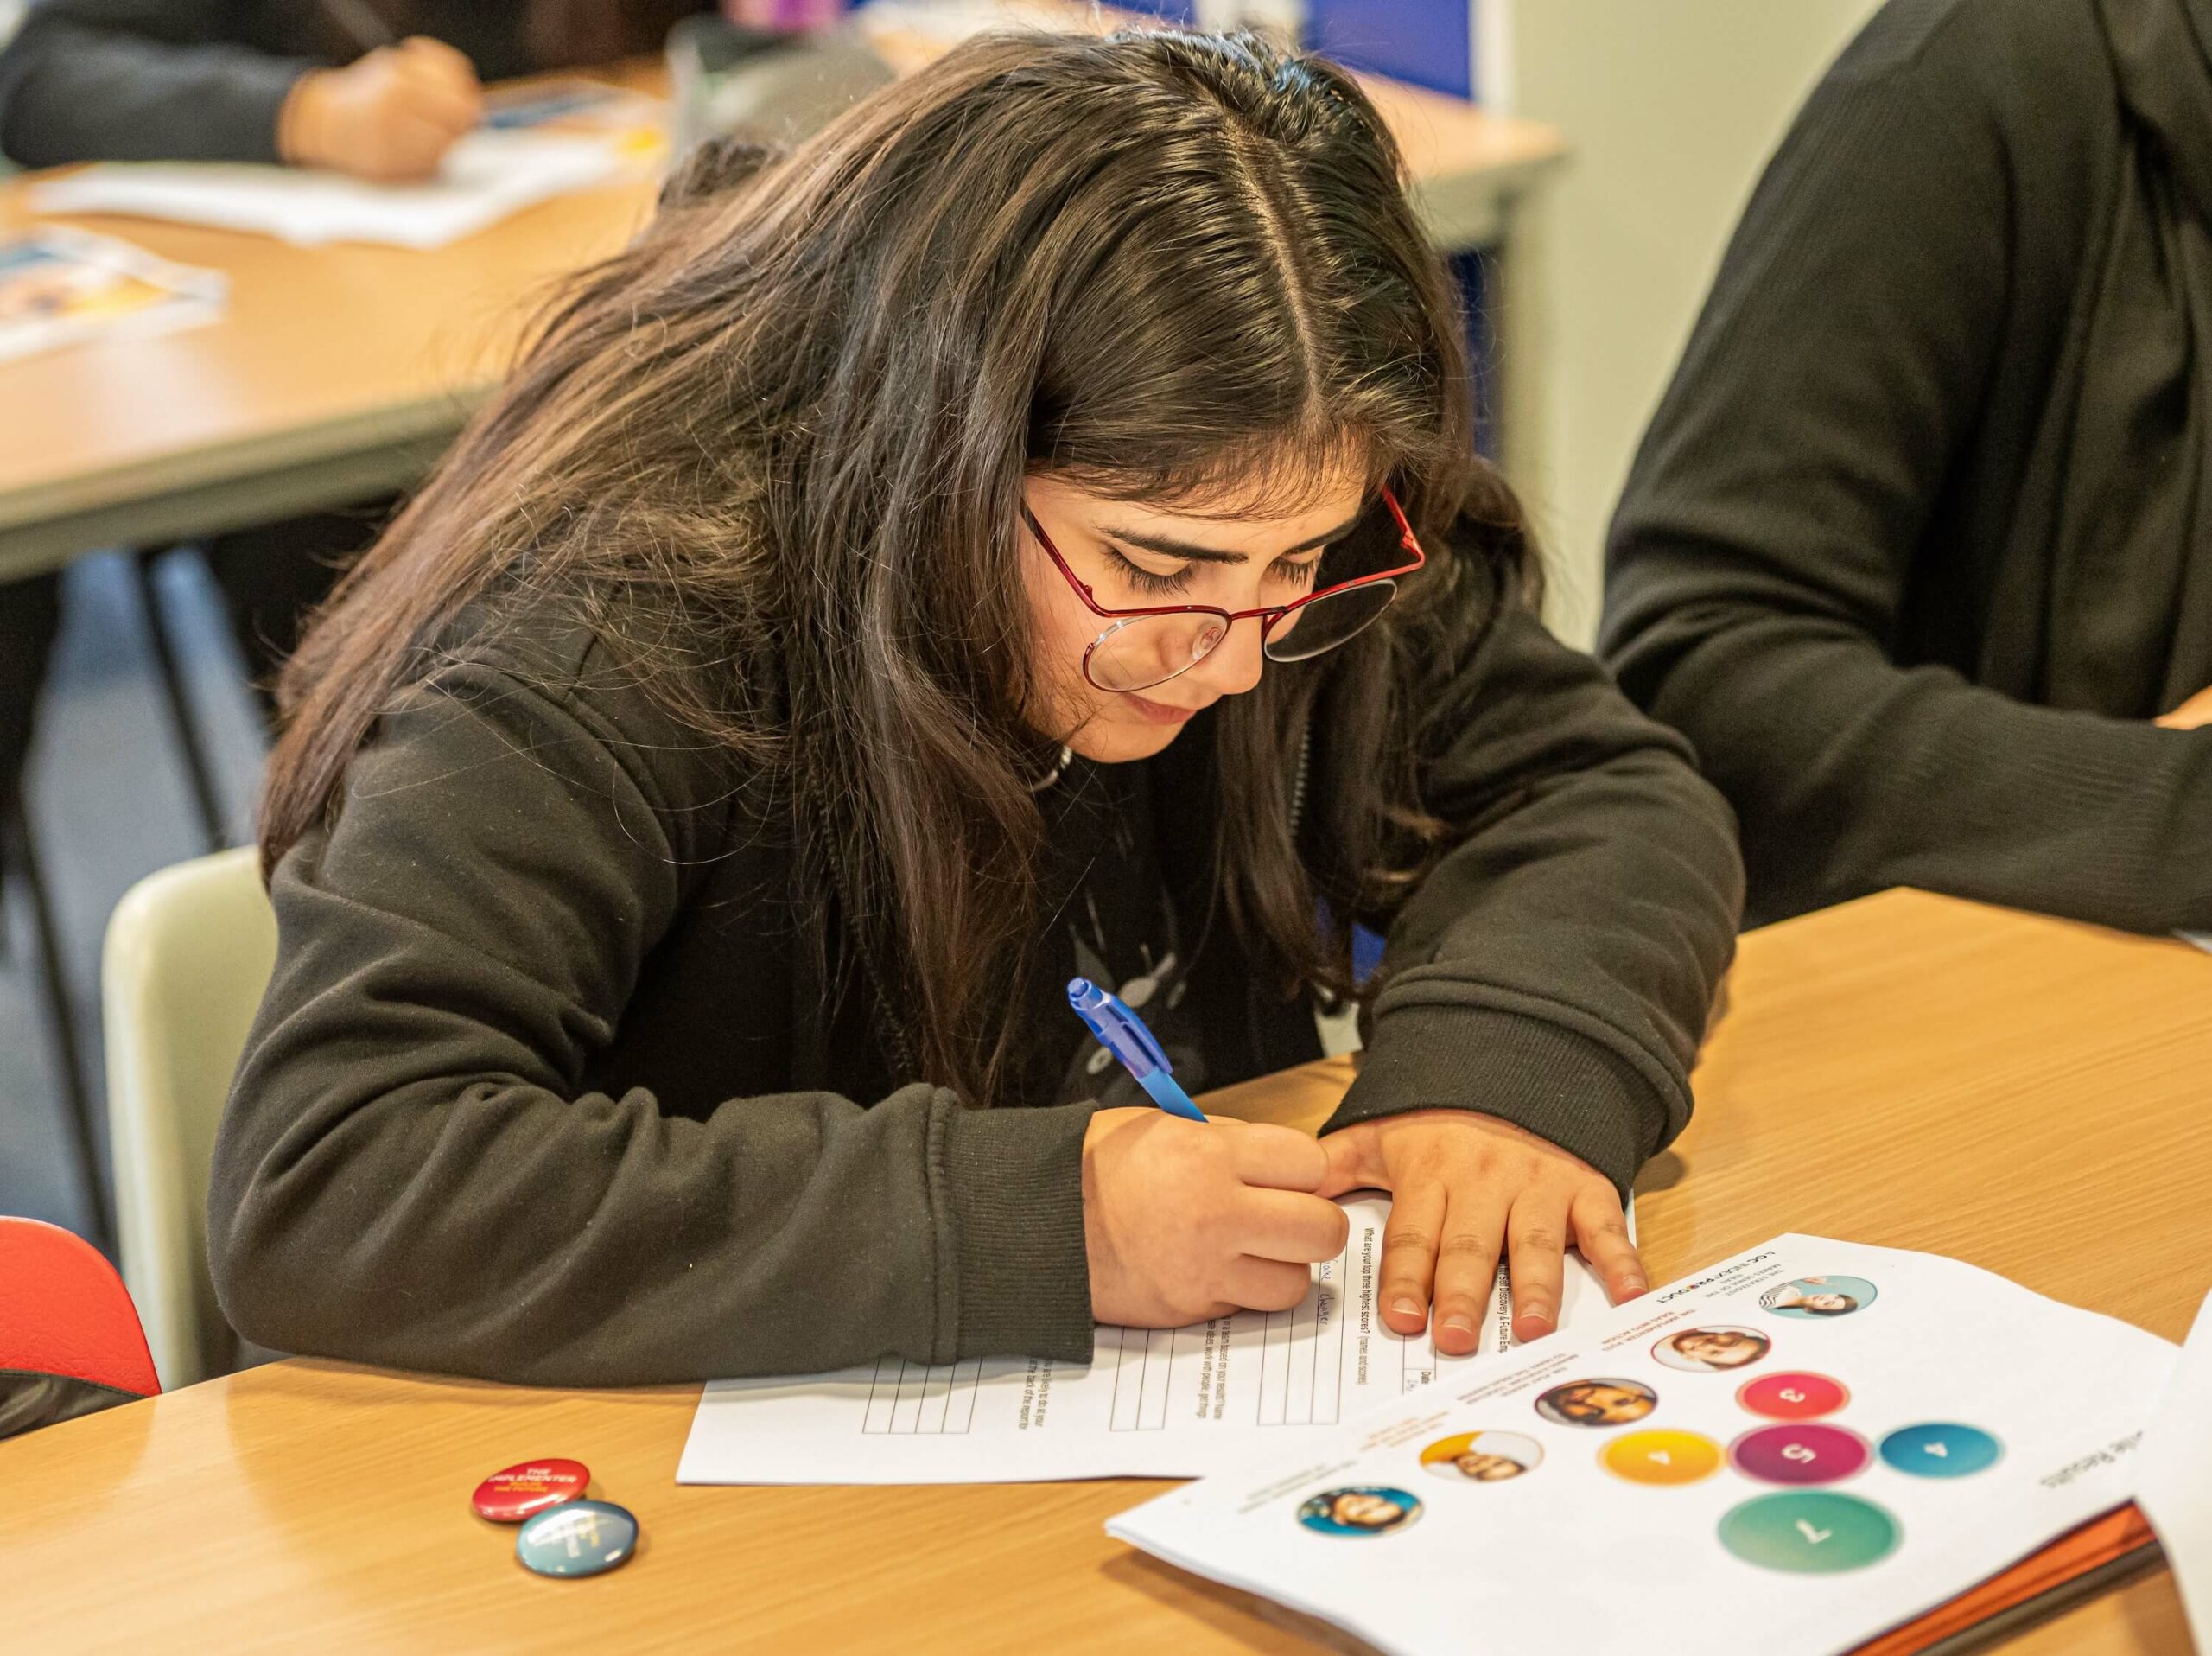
x=341 y=372
x=1908 y=1070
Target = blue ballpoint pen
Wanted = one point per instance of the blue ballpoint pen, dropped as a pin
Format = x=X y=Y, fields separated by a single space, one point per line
x=1121 y=1032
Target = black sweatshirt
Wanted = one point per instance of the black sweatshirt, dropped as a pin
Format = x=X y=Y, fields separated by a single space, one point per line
x=1921 y=538
x=204 y=79
x=545 y=1090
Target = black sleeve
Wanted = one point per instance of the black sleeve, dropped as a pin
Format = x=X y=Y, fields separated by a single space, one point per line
x=1555 y=969
x=139 y=80
x=410 y=1173
x=1764 y=545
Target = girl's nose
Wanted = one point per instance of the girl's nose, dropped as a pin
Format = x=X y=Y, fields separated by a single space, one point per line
x=1235 y=664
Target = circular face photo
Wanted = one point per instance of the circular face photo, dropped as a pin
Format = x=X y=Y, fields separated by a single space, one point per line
x=1597 y=1402
x=1814 y=1298
x=1361 y=1509
x=1482 y=1457
x=1711 y=1351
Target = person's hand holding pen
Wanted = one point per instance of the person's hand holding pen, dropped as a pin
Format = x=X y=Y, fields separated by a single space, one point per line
x=1465 y=1188
x=1183 y=1217
x=1186 y=1220
x=389 y=116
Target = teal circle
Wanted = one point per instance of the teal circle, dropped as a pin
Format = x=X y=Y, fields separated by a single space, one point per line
x=1942 y=1448
x=1809 y=1532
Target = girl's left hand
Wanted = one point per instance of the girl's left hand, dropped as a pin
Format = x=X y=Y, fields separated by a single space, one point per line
x=1462 y=1185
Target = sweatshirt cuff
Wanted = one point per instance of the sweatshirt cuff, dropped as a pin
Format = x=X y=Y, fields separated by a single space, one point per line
x=1014 y=1181
x=1540 y=1076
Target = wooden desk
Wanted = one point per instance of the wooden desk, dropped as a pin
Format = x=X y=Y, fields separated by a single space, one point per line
x=341 y=373
x=1908 y=1071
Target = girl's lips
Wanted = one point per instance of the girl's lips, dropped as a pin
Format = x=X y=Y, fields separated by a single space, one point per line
x=1158 y=712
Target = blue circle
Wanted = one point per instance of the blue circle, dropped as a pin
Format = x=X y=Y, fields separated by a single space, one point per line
x=1941 y=1450
x=578 y=1537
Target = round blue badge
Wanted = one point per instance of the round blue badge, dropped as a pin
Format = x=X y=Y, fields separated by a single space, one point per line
x=578 y=1537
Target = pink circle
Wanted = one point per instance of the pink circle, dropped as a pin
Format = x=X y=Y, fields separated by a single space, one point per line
x=1799 y=1453
x=1793 y=1396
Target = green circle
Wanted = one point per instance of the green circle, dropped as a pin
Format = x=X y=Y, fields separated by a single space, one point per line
x=1809 y=1532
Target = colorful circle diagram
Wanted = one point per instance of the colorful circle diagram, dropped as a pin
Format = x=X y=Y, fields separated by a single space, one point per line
x=1815 y=1297
x=1661 y=1457
x=1809 y=1532
x=1360 y=1509
x=1597 y=1402
x=1941 y=1450
x=1482 y=1457
x=1799 y=1453
x=1793 y=1396
x=1711 y=1350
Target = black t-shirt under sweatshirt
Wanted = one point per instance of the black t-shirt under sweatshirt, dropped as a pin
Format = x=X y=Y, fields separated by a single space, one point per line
x=544 y=1088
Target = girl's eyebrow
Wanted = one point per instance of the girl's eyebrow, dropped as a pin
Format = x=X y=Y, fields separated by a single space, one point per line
x=1169 y=548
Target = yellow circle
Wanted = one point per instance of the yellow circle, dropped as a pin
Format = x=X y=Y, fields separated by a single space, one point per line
x=1662 y=1457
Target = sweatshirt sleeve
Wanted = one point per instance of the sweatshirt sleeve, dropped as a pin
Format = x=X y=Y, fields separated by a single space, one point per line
x=1765 y=544
x=138 y=81
x=1557 y=967
x=411 y=1173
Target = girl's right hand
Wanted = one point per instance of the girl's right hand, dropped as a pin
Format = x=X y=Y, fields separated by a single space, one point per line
x=1186 y=1220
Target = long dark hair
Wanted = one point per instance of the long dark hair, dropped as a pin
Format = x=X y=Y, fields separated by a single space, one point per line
x=776 y=450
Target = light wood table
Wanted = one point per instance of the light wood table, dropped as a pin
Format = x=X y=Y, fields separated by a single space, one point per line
x=338 y=373
x=1907 y=1071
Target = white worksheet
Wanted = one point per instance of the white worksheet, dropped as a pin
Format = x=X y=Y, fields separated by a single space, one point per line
x=486 y=176
x=2202 y=939
x=1153 y=1403
x=1805 y=1445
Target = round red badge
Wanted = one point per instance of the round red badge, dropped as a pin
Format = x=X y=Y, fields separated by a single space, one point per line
x=513 y=1494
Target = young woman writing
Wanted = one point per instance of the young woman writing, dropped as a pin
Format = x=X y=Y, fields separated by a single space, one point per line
x=1032 y=529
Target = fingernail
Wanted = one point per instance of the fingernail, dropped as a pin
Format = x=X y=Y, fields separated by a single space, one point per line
x=1632 y=1286
x=1535 y=1314
x=1405 y=1305
x=1460 y=1326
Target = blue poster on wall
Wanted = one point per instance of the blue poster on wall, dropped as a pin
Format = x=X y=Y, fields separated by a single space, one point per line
x=1427 y=42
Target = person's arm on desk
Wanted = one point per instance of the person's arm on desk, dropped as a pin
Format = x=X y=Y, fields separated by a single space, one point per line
x=414 y=1171
x=170 y=80
x=1767 y=548
x=1546 y=986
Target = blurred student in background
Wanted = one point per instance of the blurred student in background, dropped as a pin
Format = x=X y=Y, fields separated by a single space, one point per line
x=379 y=88
x=1918 y=549
x=305 y=82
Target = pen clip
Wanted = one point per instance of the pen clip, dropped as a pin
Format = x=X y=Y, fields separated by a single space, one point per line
x=1121 y=1031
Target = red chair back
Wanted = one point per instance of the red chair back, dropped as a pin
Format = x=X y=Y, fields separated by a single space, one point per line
x=69 y=1336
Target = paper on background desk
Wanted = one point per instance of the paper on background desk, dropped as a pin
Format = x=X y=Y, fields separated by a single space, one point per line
x=2202 y=939
x=1161 y=1402
x=57 y=286
x=1912 y=1426
x=488 y=176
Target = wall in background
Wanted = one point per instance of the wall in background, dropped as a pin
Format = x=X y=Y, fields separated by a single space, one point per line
x=1670 y=111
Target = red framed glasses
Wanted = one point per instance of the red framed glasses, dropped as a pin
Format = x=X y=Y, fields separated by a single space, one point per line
x=1149 y=646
